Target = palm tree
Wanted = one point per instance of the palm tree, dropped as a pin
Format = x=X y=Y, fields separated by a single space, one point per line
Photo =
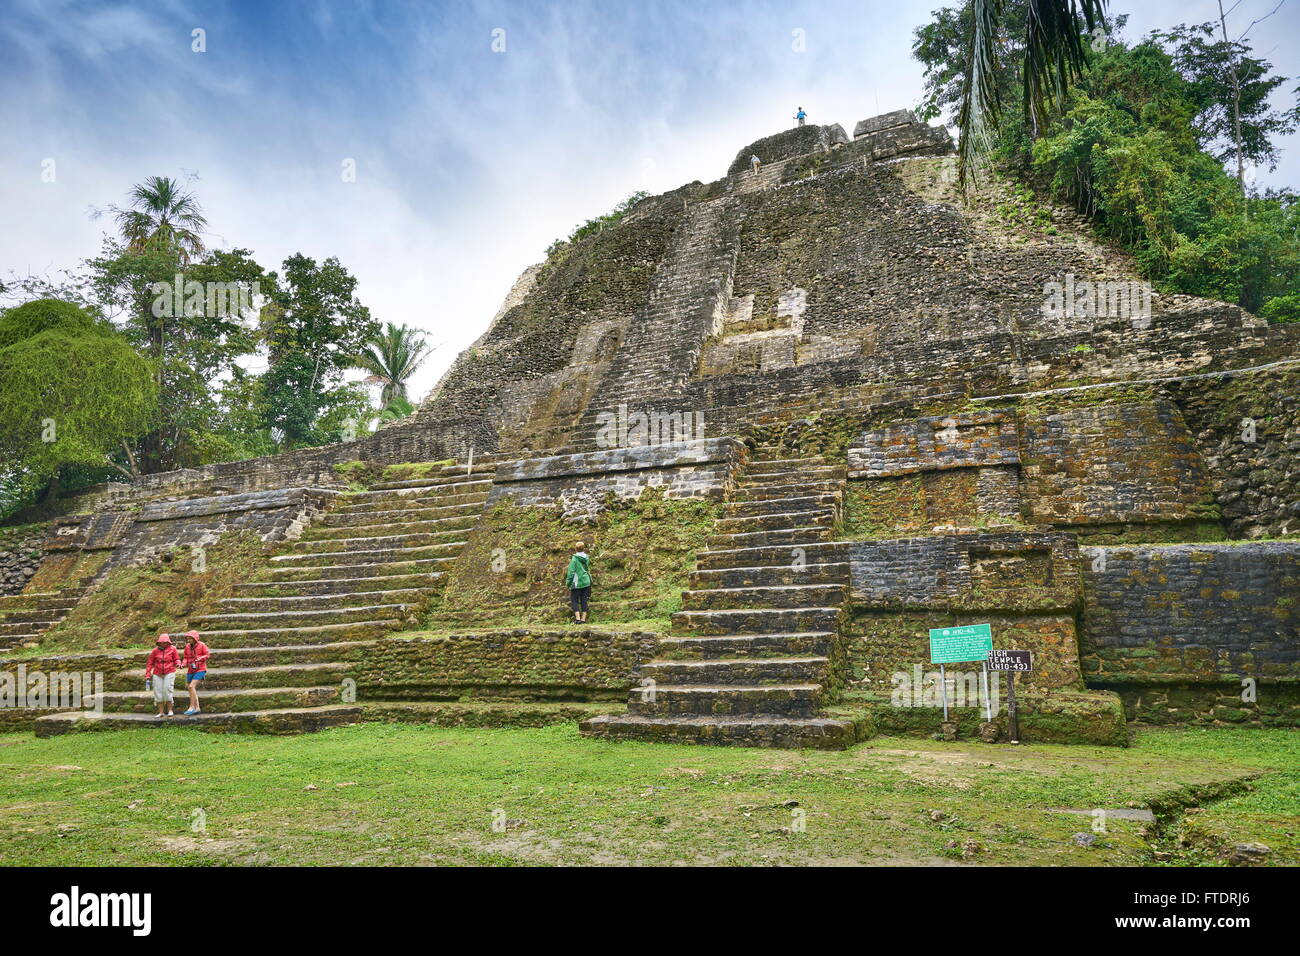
x=1054 y=58
x=163 y=217
x=391 y=358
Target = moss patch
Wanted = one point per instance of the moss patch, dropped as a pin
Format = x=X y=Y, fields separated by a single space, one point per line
x=13 y=534
x=417 y=469
x=135 y=603
x=511 y=571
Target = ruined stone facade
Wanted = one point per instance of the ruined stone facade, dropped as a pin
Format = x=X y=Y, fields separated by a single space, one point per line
x=912 y=411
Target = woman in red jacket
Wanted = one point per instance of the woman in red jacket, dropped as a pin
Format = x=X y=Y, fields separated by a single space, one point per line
x=196 y=668
x=160 y=674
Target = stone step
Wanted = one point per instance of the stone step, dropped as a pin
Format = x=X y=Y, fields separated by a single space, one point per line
x=374 y=570
x=385 y=583
x=437 y=492
x=387 y=556
x=721 y=646
x=368 y=516
x=30 y=638
x=774 y=596
x=231 y=657
x=327 y=601
x=762 y=461
x=816 y=733
x=768 y=506
x=24 y=599
x=736 y=670
x=221 y=677
x=35 y=616
x=454 y=476
x=773 y=536
x=293 y=720
x=389 y=528
x=758 y=620
x=27 y=627
x=413 y=500
x=31 y=600
x=447 y=474
x=301 y=618
x=306 y=548
x=284 y=636
x=701 y=700
x=788 y=573
x=777 y=492
x=769 y=556
x=757 y=471
x=821 y=517
x=218 y=701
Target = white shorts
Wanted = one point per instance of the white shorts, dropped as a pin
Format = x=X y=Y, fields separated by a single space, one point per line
x=164 y=687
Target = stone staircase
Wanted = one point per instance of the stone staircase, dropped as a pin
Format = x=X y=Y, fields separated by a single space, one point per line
x=687 y=301
x=27 y=615
x=755 y=653
x=280 y=644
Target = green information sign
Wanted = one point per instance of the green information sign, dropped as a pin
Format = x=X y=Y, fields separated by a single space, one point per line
x=951 y=645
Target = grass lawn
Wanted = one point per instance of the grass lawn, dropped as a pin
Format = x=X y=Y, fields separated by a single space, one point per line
x=380 y=794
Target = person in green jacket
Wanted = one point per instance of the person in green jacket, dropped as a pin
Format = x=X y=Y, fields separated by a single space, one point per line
x=578 y=580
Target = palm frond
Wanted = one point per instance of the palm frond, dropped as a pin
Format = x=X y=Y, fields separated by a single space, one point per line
x=1055 y=55
x=163 y=218
x=392 y=357
x=980 y=100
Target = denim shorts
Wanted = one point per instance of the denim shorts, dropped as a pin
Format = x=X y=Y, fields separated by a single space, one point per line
x=197 y=675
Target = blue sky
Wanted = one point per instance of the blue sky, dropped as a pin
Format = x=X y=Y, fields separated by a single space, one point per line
x=468 y=161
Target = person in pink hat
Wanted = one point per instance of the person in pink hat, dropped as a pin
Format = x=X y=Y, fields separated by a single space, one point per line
x=160 y=674
x=196 y=668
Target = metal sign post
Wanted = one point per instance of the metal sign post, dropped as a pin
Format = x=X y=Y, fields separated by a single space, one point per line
x=1013 y=724
x=951 y=645
x=988 y=704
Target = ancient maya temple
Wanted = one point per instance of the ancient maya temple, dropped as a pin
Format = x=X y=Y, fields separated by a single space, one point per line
x=802 y=414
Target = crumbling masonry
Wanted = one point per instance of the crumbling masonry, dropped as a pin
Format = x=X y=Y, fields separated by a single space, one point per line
x=888 y=409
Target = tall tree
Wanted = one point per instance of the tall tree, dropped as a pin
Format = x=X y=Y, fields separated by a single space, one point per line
x=1231 y=90
x=194 y=320
x=391 y=358
x=314 y=327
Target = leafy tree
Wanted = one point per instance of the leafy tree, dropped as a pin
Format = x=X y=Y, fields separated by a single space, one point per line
x=943 y=46
x=1137 y=142
x=314 y=327
x=1127 y=151
x=1230 y=90
x=72 y=392
x=194 y=321
x=391 y=358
